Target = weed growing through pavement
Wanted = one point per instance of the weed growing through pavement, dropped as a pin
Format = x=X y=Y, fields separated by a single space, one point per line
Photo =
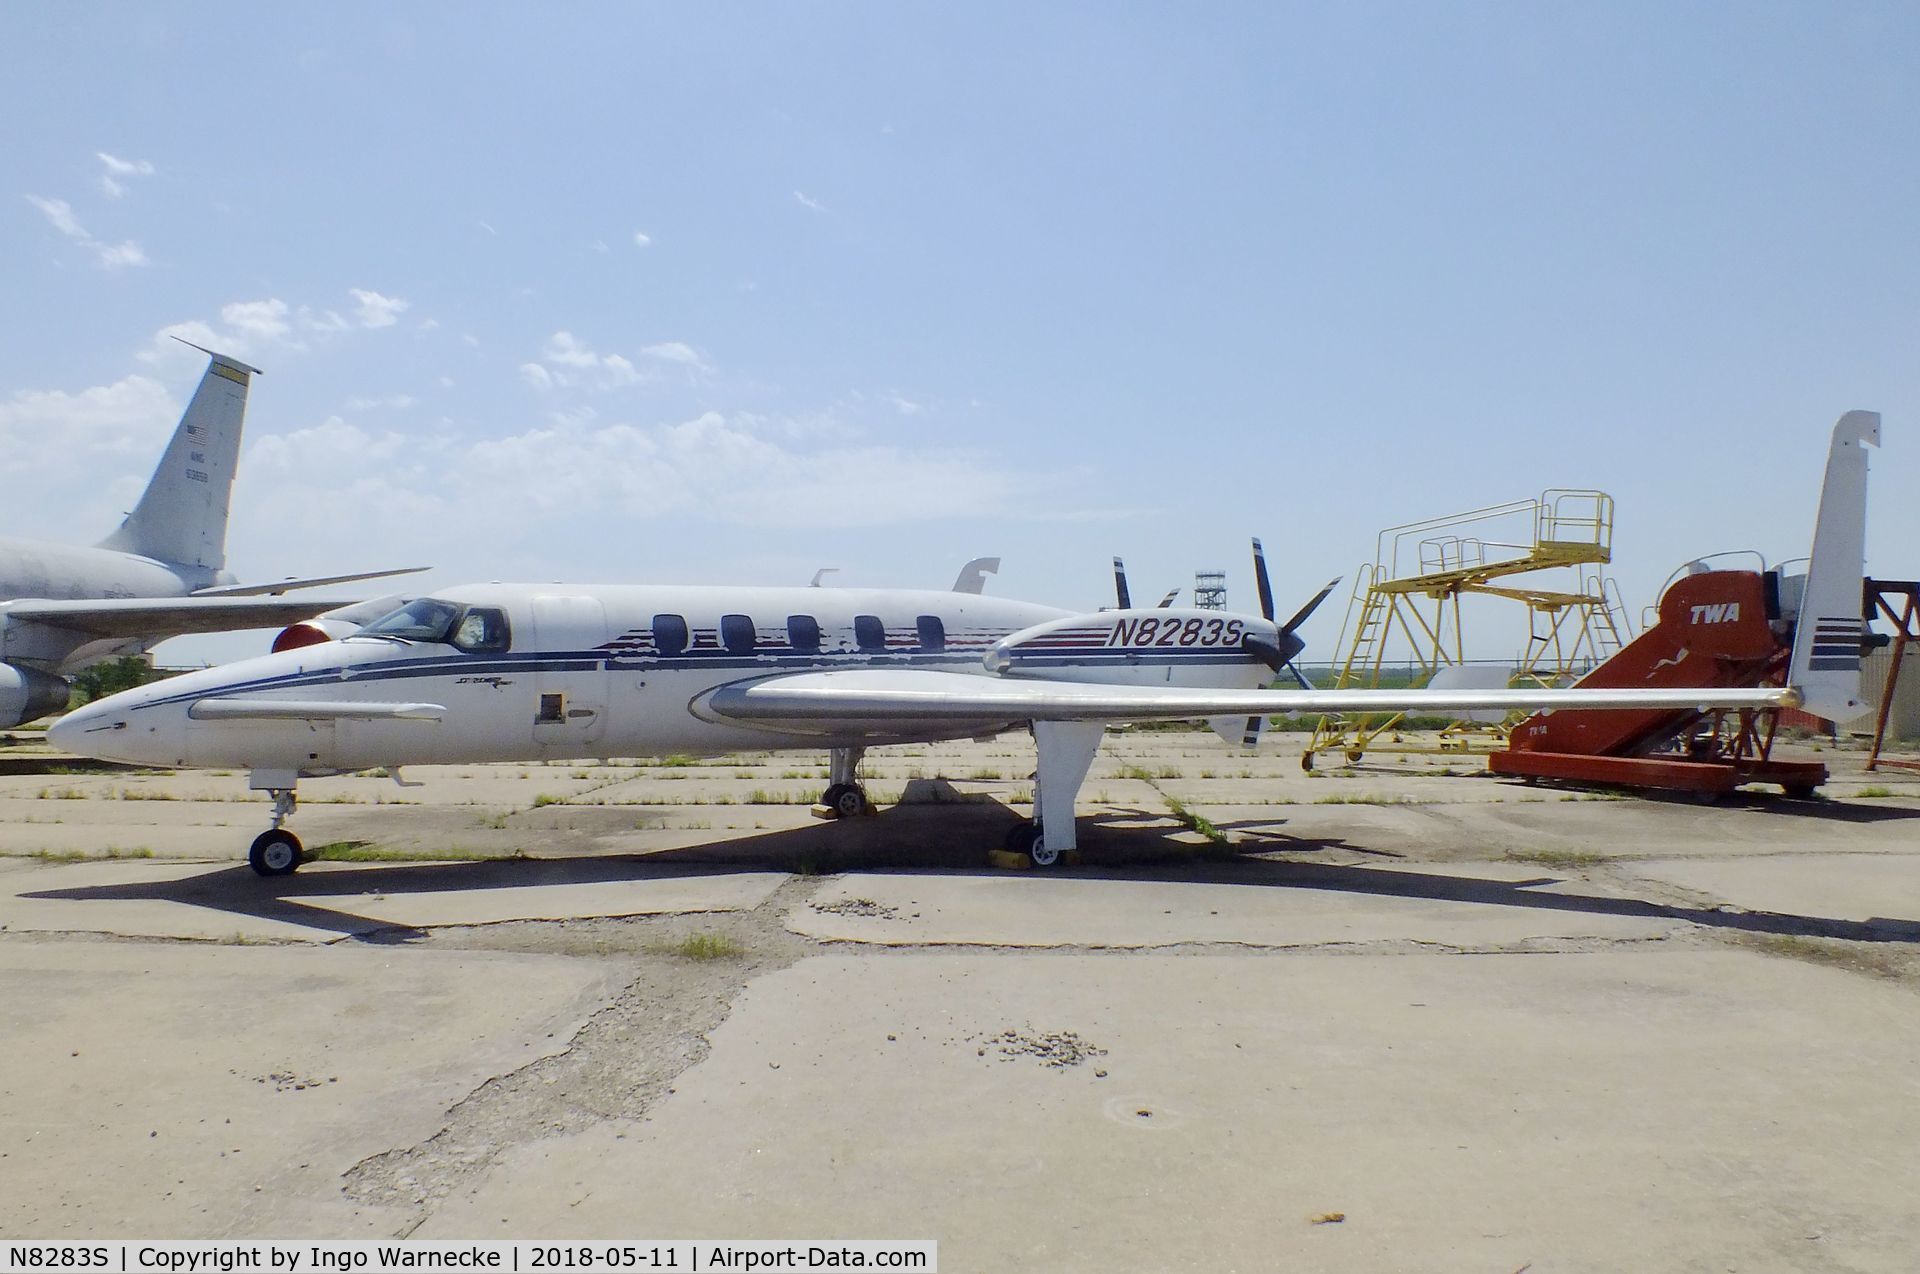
x=707 y=946
x=1559 y=859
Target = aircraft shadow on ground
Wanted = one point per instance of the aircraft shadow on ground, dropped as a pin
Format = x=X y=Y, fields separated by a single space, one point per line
x=949 y=834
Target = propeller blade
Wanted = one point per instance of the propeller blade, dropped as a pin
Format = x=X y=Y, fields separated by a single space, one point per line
x=1120 y=591
x=1299 y=676
x=1260 y=579
x=1168 y=599
x=1300 y=617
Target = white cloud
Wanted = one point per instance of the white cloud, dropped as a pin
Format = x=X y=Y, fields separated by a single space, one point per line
x=808 y=202
x=725 y=469
x=325 y=321
x=265 y=319
x=569 y=362
x=376 y=310
x=60 y=213
x=109 y=256
x=675 y=352
x=905 y=406
x=385 y=402
x=566 y=349
x=600 y=246
x=641 y=239
x=117 y=168
x=73 y=462
x=112 y=256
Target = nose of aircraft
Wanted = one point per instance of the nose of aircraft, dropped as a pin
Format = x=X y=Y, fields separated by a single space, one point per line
x=102 y=730
x=69 y=731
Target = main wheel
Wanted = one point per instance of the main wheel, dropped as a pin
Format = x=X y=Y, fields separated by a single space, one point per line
x=275 y=853
x=846 y=800
x=1027 y=839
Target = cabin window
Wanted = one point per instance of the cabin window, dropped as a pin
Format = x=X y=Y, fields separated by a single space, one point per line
x=803 y=632
x=869 y=634
x=427 y=619
x=553 y=708
x=736 y=634
x=669 y=634
x=482 y=630
x=933 y=633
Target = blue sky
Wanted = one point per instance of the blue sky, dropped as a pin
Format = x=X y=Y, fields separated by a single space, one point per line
x=640 y=293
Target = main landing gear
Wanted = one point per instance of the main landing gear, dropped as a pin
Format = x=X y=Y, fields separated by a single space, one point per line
x=1065 y=750
x=844 y=797
x=276 y=851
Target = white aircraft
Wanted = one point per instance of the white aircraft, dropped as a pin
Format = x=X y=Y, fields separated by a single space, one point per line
x=506 y=672
x=160 y=575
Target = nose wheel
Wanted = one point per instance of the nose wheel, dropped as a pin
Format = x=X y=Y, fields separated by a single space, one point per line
x=275 y=853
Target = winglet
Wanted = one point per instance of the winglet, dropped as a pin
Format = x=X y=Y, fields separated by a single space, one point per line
x=1826 y=643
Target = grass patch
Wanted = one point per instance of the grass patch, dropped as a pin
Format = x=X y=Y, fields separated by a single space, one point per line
x=82 y=856
x=547 y=798
x=60 y=794
x=1874 y=793
x=1195 y=822
x=1560 y=859
x=707 y=946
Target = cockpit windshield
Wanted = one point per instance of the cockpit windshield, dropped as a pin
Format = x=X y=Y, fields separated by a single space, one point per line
x=474 y=629
x=426 y=619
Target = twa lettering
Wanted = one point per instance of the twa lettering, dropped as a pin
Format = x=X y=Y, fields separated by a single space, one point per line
x=1718 y=613
x=1175 y=631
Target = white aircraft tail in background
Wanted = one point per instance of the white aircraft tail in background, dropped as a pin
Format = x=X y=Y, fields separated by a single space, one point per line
x=161 y=574
x=182 y=515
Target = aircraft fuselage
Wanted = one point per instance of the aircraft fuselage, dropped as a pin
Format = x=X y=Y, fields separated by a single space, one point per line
x=584 y=672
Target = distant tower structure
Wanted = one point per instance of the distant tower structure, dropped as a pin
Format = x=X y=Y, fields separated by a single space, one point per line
x=1210 y=590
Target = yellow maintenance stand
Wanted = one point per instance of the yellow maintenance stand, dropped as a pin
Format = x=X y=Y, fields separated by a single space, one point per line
x=1422 y=570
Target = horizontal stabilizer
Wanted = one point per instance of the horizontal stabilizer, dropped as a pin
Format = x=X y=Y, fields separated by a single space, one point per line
x=289 y=585
x=299 y=710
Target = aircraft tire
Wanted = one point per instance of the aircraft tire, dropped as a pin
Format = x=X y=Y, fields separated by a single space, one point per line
x=275 y=853
x=1025 y=839
x=846 y=800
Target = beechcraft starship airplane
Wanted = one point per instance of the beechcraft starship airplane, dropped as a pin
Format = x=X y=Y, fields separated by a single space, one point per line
x=505 y=672
x=160 y=575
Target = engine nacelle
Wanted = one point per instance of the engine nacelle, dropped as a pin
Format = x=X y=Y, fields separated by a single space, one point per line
x=312 y=632
x=1159 y=647
x=27 y=694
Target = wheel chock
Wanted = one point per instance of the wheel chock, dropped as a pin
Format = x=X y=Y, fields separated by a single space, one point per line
x=827 y=812
x=1008 y=860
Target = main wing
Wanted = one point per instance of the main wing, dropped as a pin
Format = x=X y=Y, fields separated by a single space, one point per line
x=159 y=618
x=825 y=701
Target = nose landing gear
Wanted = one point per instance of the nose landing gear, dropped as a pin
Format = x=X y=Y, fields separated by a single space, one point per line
x=276 y=851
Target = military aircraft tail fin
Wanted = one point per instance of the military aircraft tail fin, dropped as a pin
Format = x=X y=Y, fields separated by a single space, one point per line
x=182 y=515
